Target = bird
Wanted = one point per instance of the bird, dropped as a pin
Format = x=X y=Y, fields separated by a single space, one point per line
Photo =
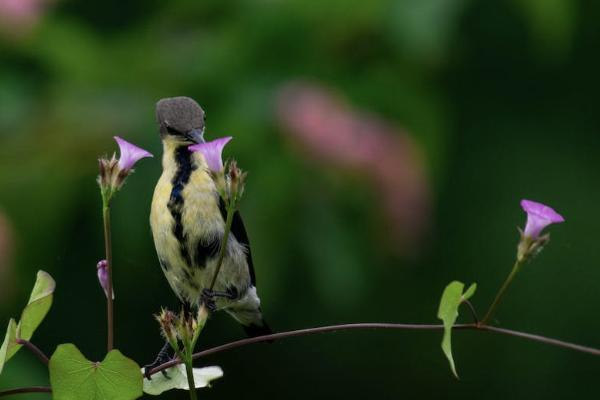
x=187 y=220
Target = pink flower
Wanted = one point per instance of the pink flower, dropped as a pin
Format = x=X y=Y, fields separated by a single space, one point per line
x=539 y=216
x=130 y=154
x=212 y=152
x=24 y=9
x=18 y=17
x=102 y=268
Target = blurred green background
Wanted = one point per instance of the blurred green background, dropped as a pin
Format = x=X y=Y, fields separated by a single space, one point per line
x=490 y=102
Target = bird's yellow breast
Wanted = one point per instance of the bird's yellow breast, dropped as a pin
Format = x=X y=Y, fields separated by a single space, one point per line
x=184 y=212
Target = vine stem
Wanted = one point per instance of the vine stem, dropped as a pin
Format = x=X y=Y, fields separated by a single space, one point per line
x=109 y=297
x=34 y=349
x=30 y=389
x=342 y=327
x=189 y=370
x=377 y=325
x=472 y=310
x=502 y=291
x=542 y=339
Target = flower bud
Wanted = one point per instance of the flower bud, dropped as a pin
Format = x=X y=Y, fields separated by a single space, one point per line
x=102 y=270
x=183 y=325
x=108 y=169
x=236 y=181
x=167 y=320
x=202 y=315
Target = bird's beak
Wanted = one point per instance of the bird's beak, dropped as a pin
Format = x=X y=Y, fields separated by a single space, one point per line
x=196 y=135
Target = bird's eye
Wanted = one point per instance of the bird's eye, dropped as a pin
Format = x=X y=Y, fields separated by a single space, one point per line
x=172 y=131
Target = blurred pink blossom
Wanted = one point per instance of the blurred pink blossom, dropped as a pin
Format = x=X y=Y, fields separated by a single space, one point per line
x=20 y=16
x=335 y=133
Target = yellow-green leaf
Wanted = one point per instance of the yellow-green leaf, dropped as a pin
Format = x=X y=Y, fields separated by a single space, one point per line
x=32 y=316
x=9 y=346
x=470 y=292
x=448 y=312
x=73 y=377
x=37 y=307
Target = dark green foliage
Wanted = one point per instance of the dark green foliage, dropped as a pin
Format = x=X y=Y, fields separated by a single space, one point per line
x=500 y=97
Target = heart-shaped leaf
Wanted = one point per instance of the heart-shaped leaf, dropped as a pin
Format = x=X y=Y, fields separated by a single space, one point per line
x=177 y=379
x=448 y=312
x=73 y=377
x=32 y=316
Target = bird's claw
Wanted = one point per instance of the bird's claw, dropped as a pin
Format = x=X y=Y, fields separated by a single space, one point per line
x=208 y=299
x=150 y=367
x=162 y=357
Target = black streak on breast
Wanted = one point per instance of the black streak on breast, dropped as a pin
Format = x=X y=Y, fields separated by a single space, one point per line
x=183 y=159
x=204 y=251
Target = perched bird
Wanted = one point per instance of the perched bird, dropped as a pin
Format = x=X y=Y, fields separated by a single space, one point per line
x=188 y=222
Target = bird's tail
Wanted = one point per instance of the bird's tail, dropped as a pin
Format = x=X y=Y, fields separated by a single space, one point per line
x=257 y=329
x=252 y=321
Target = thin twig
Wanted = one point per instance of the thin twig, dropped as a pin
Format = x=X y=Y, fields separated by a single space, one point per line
x=30 y=389
x=542 y=339
x=299 y=332
x=34 y=349
x=472 y=309
x=333 y=328
x=502 y=291
x=190 y=378
x=109 y=290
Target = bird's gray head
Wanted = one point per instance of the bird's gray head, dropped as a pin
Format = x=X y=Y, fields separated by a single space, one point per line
x=180 y=119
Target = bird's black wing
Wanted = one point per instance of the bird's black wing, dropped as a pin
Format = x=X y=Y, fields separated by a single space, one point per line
x=239 y=231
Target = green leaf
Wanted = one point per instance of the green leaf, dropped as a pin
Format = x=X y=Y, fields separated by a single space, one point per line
x=448 y=312
x=38 y=305
x=32 y=316
x=9 y=346
x=73 y=377
x=177 y=379
x=470 y=292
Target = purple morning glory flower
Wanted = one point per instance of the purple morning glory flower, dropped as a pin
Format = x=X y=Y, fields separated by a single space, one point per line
x=102 y=268
x=130 y=154
x=539 y=216
x=212 y=152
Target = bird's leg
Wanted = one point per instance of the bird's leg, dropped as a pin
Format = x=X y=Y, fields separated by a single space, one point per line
x=208 y=301
x=162 y=357
x=231 y=295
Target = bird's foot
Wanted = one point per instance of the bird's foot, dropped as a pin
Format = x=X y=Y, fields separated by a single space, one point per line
x=208 y=298
x=162 y=357
x=229 y=294
x=208 y=301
